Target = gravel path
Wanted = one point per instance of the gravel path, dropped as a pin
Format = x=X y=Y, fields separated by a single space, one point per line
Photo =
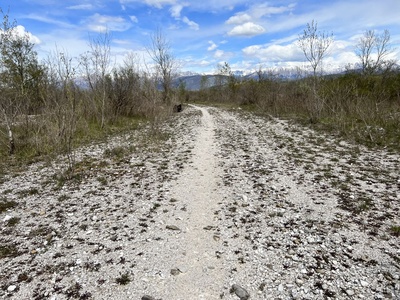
x=214 y=204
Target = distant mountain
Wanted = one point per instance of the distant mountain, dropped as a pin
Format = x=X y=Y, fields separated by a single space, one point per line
x=195 y=82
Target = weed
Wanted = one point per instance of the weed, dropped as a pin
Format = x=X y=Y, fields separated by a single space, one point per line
x=8 y=191
x=24 y=277
x=8 y=251
x=5 y=205
x=63 y=198
x=74 y=292
x=41 y=231
x=365 y=204
x=116 y=152
x=13 y=221
x=28 y=192
x=395 y=230
x=124 y=279
x=102 y=180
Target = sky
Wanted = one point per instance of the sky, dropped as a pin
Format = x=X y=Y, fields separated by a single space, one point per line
x=202 y=34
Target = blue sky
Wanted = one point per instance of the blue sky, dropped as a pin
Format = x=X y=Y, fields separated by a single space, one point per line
x=247 y=34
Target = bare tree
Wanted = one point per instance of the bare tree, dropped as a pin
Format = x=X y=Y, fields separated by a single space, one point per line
x=62 y=103
x=96 y=63
x=372 y=50
x=160 y=52
x=314 y=45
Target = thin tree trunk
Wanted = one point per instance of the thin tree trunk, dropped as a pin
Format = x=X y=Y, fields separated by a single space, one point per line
x=11 y=143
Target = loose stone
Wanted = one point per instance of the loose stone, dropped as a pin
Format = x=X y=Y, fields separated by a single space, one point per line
x=240 y=292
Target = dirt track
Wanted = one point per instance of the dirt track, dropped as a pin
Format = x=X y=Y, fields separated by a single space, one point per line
x=224 y=199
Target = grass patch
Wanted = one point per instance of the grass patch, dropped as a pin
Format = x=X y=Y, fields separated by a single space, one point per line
x=395 y=230
x=117 y=153
x=5 y=205
x=13 y=221
x=28 y=192
x=102 y=180
x=8 y=251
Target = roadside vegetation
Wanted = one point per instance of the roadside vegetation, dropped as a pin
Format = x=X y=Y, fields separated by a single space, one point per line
x=53 y=106
x=362 y=105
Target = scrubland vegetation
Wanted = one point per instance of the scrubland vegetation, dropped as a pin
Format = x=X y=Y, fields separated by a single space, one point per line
x=51 y=107
x=360 y=104
x=362 y=108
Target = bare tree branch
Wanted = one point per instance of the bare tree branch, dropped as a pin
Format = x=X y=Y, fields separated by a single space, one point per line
x=314 y=45
x=160 y=52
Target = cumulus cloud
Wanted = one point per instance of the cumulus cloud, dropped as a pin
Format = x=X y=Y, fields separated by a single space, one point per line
x=20 y=32
x=239 y=19
x=192 y=25
x=275 y=53
x=102 y=23
x=212 y=46
x=134 y=19
x=176 y=10
x=219 y=54
x=247 y=29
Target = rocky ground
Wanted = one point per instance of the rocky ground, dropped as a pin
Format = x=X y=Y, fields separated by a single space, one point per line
x=214 y=204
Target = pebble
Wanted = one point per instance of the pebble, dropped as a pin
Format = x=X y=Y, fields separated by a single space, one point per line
x=364 y=283
x=175 y=272
x=173 y=227
x=11 y=288
x=240 y=292
x=7 y=218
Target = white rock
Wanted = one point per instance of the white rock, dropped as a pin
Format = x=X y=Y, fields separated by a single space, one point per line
x=7 y=218
x=364 y=283
x=11 y=288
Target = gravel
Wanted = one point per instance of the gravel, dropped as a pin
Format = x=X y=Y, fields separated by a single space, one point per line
x=214 y=204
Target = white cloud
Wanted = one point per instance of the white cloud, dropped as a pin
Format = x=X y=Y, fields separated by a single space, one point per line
x=275 y=53
x=204 y=63
x=56 y=22
x=212 y=46
x=134 y=19
x=192 y=25
x=239 y=19
x=176 y=10
x=20 y=32
x=81 y=7
x=219 y=54
x=261 y=10
x=247 y=29
x=160 y=3
x=102 y=23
